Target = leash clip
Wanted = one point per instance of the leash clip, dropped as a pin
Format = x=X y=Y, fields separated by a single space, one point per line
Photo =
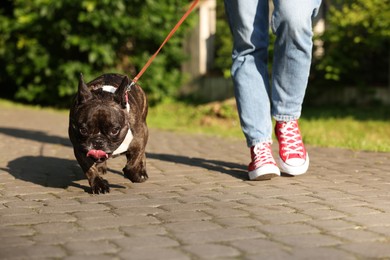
x=129 y=86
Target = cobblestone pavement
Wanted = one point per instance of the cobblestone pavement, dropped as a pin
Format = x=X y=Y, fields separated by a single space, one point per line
x=197 y=203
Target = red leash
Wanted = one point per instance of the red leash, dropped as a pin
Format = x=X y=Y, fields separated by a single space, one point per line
x=136 y=78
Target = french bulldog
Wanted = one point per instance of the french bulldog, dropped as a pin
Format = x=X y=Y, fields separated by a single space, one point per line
x=106 y=119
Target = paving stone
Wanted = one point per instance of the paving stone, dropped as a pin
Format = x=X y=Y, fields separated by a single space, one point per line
x=369 y=249
x=11 y=231
x=197 y=204
x=169 y=217
x=72 y=208
x=32 y=252
x=210 y=251
x=139 y=242
x=85 y=215
x=320 y=253
x=186 y=207
x=191 y=226
x=58 y=227
x=81 y=235
x=92 y=248
x=332 y=224
x=226 y=213
x=308 y=240
x=76 y=256
x=147 y=230
x=141 y=211
x=358 y=235
x=36 y=219
x=288 y=229
x=111 y=222
x=281 y=218
x=259 y=246
x=141 y=203
x=237 y=221
x=372 y=220
x=218 y=235
x=154 y=253
x=324 y=213
x=15 y=241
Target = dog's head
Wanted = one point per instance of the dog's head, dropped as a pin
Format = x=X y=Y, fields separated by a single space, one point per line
x=99 y=120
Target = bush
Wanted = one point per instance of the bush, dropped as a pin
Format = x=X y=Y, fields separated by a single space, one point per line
x=356 y=42
x=45 y=44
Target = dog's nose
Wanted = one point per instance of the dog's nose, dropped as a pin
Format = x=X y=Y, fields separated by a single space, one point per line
x=98 y=143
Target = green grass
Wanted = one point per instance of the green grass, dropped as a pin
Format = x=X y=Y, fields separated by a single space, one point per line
x=357 y=128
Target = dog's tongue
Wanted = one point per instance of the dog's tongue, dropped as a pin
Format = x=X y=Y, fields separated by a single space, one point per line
x=97 y=154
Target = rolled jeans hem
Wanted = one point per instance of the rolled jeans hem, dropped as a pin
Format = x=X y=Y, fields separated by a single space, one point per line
x=258 y=141
x=285 y=118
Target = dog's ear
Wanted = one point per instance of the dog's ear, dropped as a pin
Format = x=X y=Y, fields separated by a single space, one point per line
x=83 y=93
x=120 y=93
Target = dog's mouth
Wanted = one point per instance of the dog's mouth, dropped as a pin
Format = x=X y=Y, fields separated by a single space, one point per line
x=98 y=155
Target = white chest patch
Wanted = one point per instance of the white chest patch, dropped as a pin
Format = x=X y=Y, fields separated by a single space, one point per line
x=129 y=136
x=125 y=144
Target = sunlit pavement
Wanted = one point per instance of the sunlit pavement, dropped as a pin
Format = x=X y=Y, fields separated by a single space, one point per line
x=197 y=203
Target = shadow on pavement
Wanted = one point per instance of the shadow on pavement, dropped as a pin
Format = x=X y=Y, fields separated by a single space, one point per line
x=38 y=136
x=233 y=169
x=48 y=172
x=61 y=173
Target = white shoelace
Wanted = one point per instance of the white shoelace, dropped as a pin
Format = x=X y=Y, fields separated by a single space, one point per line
x=291 y=139
x=263 y=153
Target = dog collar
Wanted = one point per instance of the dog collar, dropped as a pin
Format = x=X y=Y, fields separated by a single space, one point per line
x=112 y=89
x=129 y=136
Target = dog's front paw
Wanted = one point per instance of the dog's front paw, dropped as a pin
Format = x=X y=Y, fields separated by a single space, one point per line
x=100 y=185
x=141 y=176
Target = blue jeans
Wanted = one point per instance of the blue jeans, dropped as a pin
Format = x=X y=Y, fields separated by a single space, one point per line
x=257 y=101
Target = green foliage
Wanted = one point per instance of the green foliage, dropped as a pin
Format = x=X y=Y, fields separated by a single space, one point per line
x=223 y=42
x=45 y=44
x=357 y=39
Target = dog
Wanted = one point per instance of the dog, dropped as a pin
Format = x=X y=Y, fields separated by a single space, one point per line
x=108 y=118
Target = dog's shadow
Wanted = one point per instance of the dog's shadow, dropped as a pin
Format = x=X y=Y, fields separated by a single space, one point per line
x=44 y=170
x=50 y=172
x=47 y=171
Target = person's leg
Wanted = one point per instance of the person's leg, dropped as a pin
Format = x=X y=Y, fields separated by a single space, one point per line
x=292 y=24
x=249 y=24
x=248 y=20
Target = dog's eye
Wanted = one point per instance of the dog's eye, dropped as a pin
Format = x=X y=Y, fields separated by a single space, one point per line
x=115 y=131
x=83 y=131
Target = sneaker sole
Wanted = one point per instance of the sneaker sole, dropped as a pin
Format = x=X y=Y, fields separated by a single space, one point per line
x=294 y=170
x=264 y=173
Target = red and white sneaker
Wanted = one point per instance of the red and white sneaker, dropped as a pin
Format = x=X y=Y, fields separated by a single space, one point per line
x=263 y=166
x=293 y=158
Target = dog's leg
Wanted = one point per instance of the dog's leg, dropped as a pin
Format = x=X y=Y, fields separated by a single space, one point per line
x=102 y=167
x=135 y=169
x=91 y=170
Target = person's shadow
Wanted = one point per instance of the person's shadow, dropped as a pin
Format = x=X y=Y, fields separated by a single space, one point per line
x=62 y=173
x=233 y=169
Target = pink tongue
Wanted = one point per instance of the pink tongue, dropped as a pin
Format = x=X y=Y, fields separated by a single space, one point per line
x=97 y=154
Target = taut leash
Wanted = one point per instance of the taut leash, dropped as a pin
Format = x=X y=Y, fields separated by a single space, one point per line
x=144 y=68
